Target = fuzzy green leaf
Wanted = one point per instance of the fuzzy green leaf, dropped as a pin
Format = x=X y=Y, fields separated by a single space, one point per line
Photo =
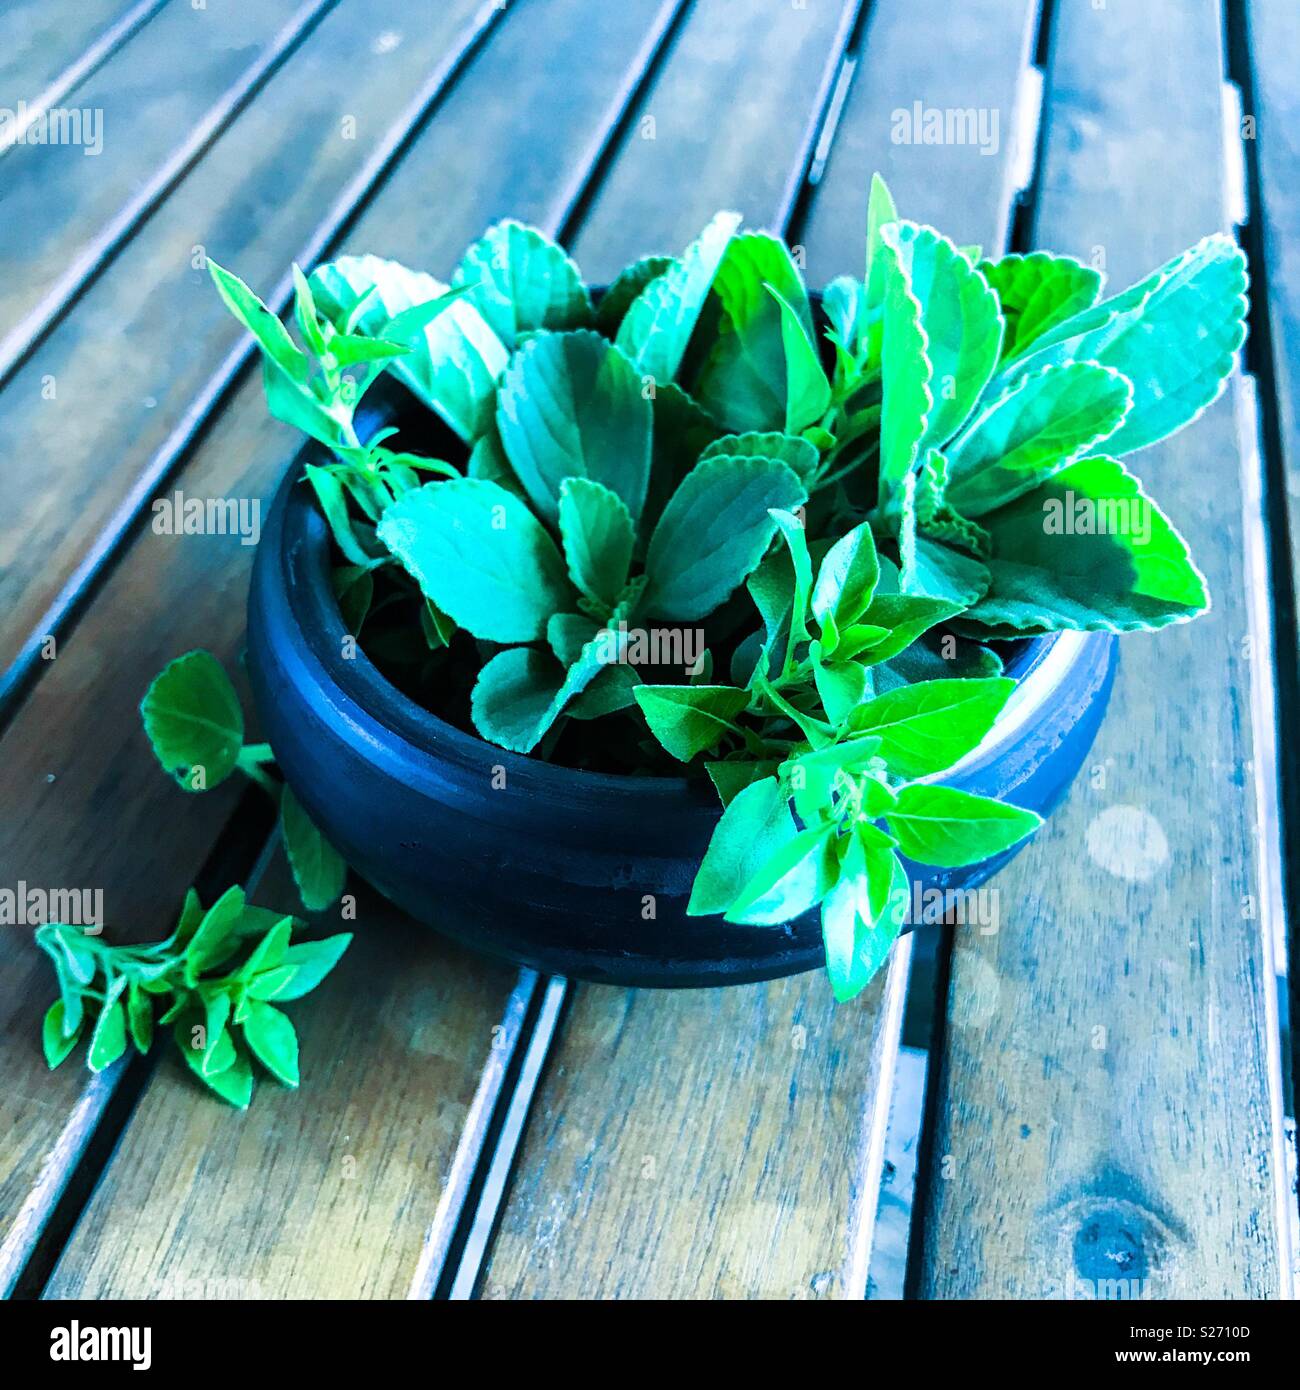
x=57 y=1041
x=713 y=532
x=755 y=825
x=1037 y=292
x=455 y=361
x=1046 y=420
x=743 y=382
x=520 y=280
x=597 y=531
x=571 y=406
x=480 y=556
x=625 y=288
x=659 y=322
x=1087 y=550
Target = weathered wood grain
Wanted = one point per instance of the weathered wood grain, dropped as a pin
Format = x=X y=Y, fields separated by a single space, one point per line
x=727 y=1144
x=48 y=46
x=731 y=114
x=146 y=114
x=108 y=817
x=97 y=413
x=1106 y=1103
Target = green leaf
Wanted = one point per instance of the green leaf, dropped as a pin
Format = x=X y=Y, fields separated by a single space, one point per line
x=731 y=776
x=714 y=531
x=792 y=880
x=1087 y=550
x=814 y=777
x=597 y=531
x=328 y=487
x=659 y=322
x=108 y=1040
x=847 y=578
x=318 y=868
x=932 y=569
x=807 y=391
x=480 y=556
x=862 y=916
x=627 y=285
x=842 y=303
x=906 y=373
x=950 y=828
x=270 y=952
x=520 y=693
x=961 y=321
x=1175 y=336
x=139 y=1017
x=522 y=281
x=841 y=687
x=755 y=825
x=1041 y=424
x=272 y=336
x=354 y=587
x=299 y=407
x=1037 y=292
x=928 y=727
x=217 y=936
x=906 y=616
x=234 y=1084
x=57 y=1042
x=219 y=1045
x=456 y=360
x=743 y=381
x=690 y=719
x=791 y=449
x=682 y=435
x=305 y=965
x=272 y=1040
x=571 y=406
x=194 y=721
x=881 y=213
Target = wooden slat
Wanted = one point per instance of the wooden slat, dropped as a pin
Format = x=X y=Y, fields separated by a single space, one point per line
x=1272 y=32
x=1106 y=1104
x=154 y=104
x=95 y=415
x=48 y=46
x=728 y=1143
x=171 y=593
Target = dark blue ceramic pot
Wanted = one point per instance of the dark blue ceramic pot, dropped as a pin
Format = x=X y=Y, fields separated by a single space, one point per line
x=548 y=866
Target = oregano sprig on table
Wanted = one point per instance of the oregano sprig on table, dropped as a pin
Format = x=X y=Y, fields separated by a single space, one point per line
x=218 y=980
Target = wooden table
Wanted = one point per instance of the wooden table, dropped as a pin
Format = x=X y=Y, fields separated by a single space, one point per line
x=1106 y=1095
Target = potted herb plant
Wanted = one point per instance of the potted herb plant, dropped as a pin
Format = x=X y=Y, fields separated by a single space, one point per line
x=692 y=629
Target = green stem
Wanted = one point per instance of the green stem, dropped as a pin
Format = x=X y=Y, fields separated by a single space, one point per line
x=250 y=760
